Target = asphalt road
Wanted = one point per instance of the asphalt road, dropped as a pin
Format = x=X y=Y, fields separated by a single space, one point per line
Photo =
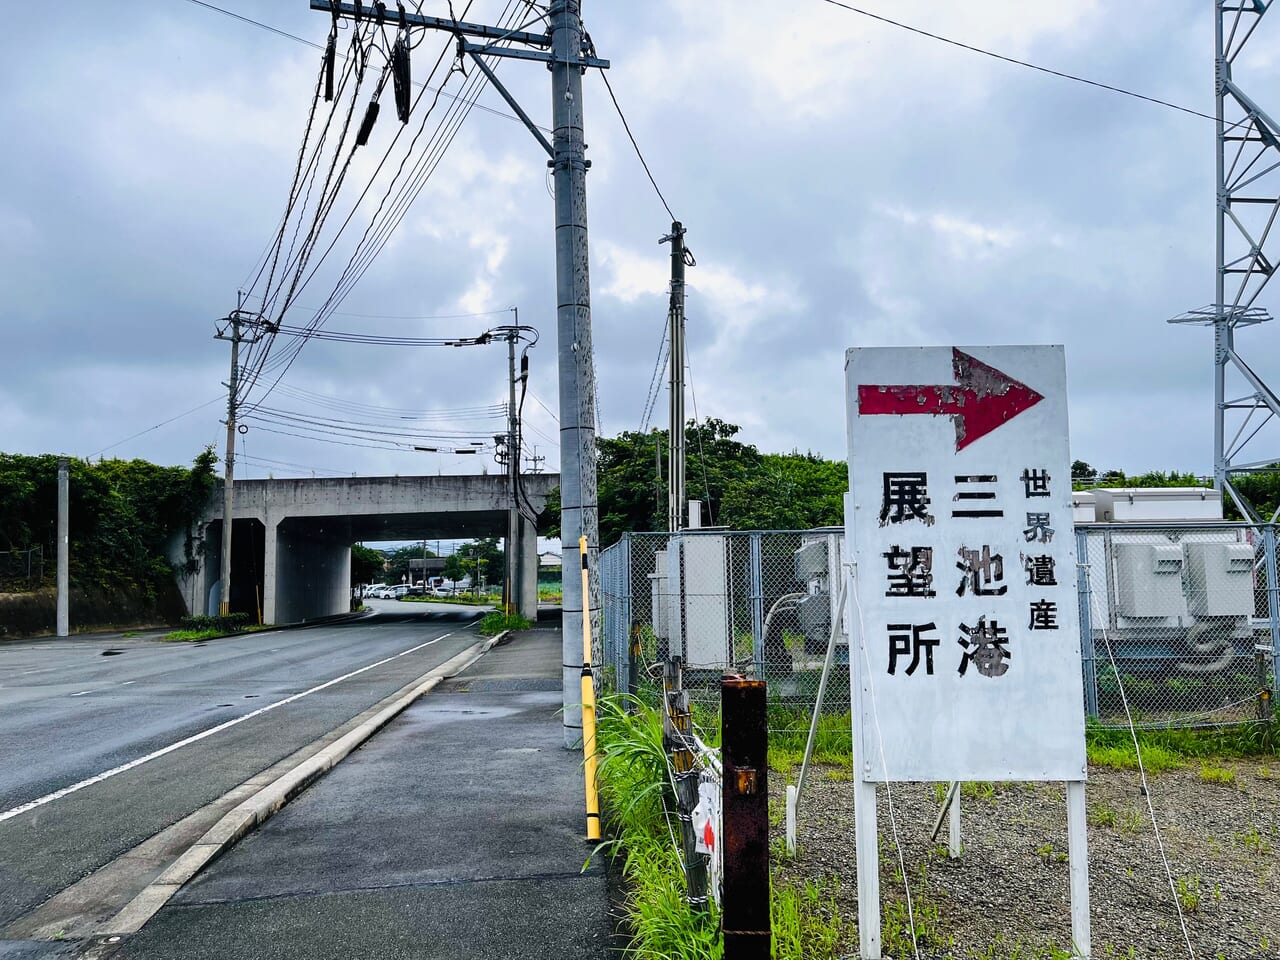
x=74 y=710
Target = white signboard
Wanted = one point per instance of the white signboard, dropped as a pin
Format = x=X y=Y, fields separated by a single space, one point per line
x=965 y=571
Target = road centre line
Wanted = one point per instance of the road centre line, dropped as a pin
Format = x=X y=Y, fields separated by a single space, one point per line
x=82 y=693
x=124 y=767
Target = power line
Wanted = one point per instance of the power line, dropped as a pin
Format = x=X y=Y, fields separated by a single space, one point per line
x=311 y=43
x=630 y=136
x=360 y=261
x=1015 y=61
x=551 y=413
x=162 y=423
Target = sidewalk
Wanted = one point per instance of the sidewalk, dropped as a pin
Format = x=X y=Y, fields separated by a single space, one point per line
x=455 y=832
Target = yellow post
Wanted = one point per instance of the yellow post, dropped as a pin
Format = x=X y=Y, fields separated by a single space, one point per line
x=588 y=706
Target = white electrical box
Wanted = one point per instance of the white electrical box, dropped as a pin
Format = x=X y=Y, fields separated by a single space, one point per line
x=1084 y=506
x=1157 y=503
x=658 y=595
x=818 y=568
x=1219 y=579
x=1149 y=580
x=697 y=578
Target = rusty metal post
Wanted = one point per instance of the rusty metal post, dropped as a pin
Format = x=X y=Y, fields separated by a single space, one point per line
x=745 y=754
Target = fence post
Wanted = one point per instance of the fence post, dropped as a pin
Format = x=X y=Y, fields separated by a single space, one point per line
x=1273 y=592
x=755 y=565
x=1084 y=592
x=745 y=759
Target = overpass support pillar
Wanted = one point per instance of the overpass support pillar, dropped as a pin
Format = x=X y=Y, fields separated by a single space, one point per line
x=527 y=590
x=270 y=573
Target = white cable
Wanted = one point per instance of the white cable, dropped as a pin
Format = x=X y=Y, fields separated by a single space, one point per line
x=888 y=789
x=1142 y=770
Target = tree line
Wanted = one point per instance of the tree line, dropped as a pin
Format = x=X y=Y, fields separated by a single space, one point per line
x=744 y=489
x=123 y=514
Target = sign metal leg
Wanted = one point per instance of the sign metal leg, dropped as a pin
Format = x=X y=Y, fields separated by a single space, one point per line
x=1078 y=852
x=867 y=843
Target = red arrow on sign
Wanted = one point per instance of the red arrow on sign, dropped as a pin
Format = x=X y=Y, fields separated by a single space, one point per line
x=982 y=399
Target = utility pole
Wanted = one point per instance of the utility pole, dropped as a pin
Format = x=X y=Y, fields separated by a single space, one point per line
x=565 y=49
x=675 y=318
x=64 y=548
x=513 y=478
x=237 y=319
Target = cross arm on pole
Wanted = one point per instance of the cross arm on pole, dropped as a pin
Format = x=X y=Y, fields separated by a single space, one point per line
x=511 y=101
x=522 y=54
x=434 y=23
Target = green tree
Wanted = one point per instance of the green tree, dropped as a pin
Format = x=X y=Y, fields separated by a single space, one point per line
x=366 y=564
x=453 y=568
x=123 y=515
x=792 y=491
x=1082 y=472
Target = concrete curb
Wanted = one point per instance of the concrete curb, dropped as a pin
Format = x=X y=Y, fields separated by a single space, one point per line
x=266 y=802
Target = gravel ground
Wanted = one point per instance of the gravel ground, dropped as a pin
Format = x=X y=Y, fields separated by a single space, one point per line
x=1009 y=889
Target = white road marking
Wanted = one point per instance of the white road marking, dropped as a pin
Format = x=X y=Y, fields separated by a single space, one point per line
x=127 y=682
x=124 y=767
x=82 y=693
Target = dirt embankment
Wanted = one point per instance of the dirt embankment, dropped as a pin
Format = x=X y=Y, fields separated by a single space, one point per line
x=36 y=612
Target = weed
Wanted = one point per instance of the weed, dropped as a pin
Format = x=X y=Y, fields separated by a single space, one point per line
x=1121 y=756
x=1047 y=854
x=840 y=775
x=806 y=920
x=1132 y=820
x=189 y=635
x=1251 y=839
x=1102 y=815
x=497 y=621
x=978 y=789
x=1188 y=893
x=1213 y=774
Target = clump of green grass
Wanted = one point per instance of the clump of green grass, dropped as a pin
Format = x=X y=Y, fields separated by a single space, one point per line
x=496 y=621
x=1121 y=756
x=806 y=920
x=190 y=635
x=1102 y=815
x=1210 y=773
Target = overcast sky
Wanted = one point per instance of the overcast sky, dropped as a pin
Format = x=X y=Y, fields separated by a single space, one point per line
x=843 y=183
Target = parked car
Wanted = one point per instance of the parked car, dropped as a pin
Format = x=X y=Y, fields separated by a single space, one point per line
x=385 y=593
x=400 y=591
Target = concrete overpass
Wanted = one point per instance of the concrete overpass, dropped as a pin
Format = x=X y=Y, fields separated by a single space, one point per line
x=291 y=543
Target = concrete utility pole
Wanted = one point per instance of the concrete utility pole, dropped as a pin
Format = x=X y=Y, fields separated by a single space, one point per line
x=235 y=321
x=513 y=479
x=64 y=548
x=675 y=317
x=564 y=49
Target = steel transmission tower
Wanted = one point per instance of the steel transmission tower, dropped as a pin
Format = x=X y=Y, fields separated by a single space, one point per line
x=1248 y=202
x=564 y=49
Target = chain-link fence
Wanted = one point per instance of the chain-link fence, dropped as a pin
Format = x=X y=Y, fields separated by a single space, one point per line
x=758 y=603
x=21 y=569
x=1179 y=618
x=1186 y=617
